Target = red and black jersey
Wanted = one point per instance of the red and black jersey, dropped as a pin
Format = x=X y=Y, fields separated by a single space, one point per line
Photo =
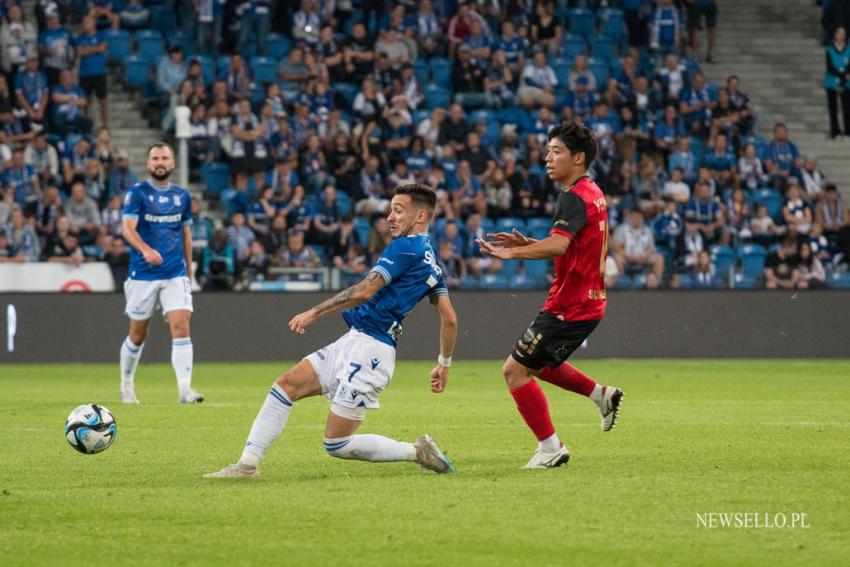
x=578 y=292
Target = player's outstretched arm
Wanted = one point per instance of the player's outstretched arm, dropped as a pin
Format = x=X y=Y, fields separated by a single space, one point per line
x=510 y=239
x=448 y=337
x=346 y=299
x=553 y=245
x=131 y=235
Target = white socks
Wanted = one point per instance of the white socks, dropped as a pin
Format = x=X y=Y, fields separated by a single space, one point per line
x=129 y=361
x=597 y=393
x=375 y=448
x=267 y=426
x=181 y=360
x=551 y=443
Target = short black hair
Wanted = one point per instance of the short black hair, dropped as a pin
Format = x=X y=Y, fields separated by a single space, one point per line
x=161 y=145
x=420 y=195
x=577 y=137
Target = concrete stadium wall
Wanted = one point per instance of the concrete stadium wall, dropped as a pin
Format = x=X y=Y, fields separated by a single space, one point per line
x=253 y=326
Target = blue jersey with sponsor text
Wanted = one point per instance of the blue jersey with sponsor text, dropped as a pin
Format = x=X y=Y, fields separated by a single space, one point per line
x=410 y=271
x=162 y=214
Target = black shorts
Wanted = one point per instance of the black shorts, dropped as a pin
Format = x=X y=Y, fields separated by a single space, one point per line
x=94 y=84
x=697 y=12
x=549 y=341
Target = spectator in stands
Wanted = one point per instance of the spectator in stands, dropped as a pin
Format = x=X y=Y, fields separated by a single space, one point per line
x=121 y=177
x=822 y=247
x=5 y=254
x=836 y=82
x=764 y=231
x=676 y=189
x=459 y=27
x=468 y=80
x=537 y=83
x=358 y=53
x=111 y=217
x=783 y=153
x=480 y=160
x=239 y=236
x=581 y=70
x=497 y=191
x=69 y=103
x=238 y=78
x=218 y=126
x=704 y=273
x=18 y=42
x=724 y=117
x=695 y=106
x=782 y=268
x=91 y=49
x=752 y=174
x=720 y=159
x=306 y=24
x=118 y=258
x=636 y=15
x=44 y=160
x=454 y=129
x=699 y=11
x=342 y=241
x=429 y=32
x=16 y=129
x=46 y=8
x=32 y=92
x=248 y=152
x=66 y=250
x=218 y=264
x=278 y=234
x=688 y=246
x=668 y=225
x=546 y=30
x=256 y=265
x=134 y=16
x=23 y=180
x=210 y=23
x=811 y=268
x=668 y=130
x=707 y=212
x=829 y=213
x=74 y=160
x=379 y=237
x=296 y=254
x=83 y=214
x=254 y=26
x=55 y=45
x=47 y=212
x=103 y=13
x=796 y=212
x=451 y=233
x=469 y=195
x=327 y=217
x=261 y=211
x=813 y=180
x=665 y=30
x=741 y=104
x=454 y=267
x=634 y=249
x=7 y=203
x=21 y=239
x=738 y=215
x=104 y=149
x=94 y=179
x=170 y=74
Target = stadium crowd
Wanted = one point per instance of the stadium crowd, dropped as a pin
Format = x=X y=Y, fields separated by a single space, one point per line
x=304 y=116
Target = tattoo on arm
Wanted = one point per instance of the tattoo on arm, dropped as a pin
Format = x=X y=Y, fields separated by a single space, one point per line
x=346 y=298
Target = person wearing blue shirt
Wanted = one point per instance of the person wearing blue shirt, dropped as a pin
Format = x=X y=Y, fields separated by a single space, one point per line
x=157 y=219
x=91 y=49
x=722 y=162
x=355 y=369
x=782 y=155
x=69 y=103
x=513 y=46
x=665 y=30
x=31 y=91
x=56 y=47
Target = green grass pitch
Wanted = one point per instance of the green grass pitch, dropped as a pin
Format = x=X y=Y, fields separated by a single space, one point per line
x=694 y=437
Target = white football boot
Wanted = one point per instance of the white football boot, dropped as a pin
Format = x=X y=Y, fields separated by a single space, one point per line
x=128 y=395
x=429 y=456
x=190 y=396
x=548 y=459
x=609 y=407
x=234 y=471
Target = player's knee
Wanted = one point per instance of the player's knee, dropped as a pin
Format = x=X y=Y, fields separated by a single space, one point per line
x=287 y=382
x=339 y=447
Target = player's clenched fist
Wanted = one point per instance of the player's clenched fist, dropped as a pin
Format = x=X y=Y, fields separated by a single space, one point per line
x=439 y=375
x=152 y=257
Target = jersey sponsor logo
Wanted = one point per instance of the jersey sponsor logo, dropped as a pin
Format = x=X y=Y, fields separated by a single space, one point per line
x=600 y=204
x=387 y=260
x=162 y=218
x=562 y=221
x=163 y=199
x=177 y=200
x=150 y=198
x=375 y=362
x=596 y=294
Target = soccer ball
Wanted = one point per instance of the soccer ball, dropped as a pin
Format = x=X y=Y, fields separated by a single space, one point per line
x=90 y=428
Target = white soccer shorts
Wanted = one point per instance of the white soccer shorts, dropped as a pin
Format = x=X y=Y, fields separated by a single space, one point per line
x=143 y=295
x=354 y=370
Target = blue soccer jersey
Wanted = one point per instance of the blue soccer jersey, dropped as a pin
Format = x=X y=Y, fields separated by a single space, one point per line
x=162 y=214
x=410 y=271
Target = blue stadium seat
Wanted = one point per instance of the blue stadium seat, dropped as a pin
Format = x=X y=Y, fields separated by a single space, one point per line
x=437 y=96
x=536 y=268
x=581 y=22
x=119 y=42
x=599 y=68
x=343 y=201
x=743 y=281
x=510 y=223
x=516 y=115
x=362 y=227
x=422 y=72
x=537 y=224
x=561 y=67
x=724 y=260
x=752 y=260
x=184 y=40
x=277 y=47
x=149 y=45
x=218 y=177
x=624 y=281
x=572 y=45
x=839 y=280
x=222 y=66
x=469 y=282
x=263 y=70
x=509 y=267
x=613 y=25
x=771 y=199
x=162 y=18
x=602 y=47
x=488 y=225
x=686 y=281
x=421 y=115
x=441 y=70
x=137 y=71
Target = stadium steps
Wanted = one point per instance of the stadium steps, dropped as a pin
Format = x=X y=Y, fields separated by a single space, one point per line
x=774 y=47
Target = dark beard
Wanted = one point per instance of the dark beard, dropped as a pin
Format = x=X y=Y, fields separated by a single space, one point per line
x=158 y=177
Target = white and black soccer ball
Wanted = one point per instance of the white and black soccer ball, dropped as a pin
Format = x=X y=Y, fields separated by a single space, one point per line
x=90 y=428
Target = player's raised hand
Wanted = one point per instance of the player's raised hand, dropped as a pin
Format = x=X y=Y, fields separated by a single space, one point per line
x=510 y=239
x=439 y=376
x=300 y=322
x=493 y=249
x=152 y=257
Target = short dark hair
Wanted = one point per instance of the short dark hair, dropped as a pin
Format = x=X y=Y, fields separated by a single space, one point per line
x=420 y=195
x=577 y=137
x=160 y=145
